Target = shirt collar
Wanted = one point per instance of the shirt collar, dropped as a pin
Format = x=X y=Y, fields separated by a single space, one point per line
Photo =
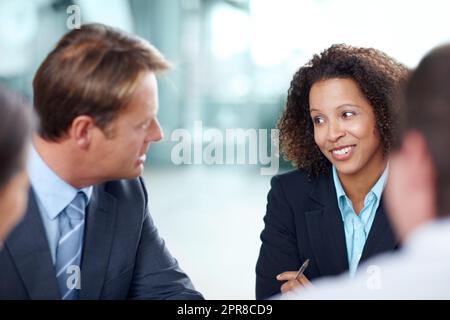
x=337 y=183
x=379 y=186
x=53 y=192
x=377 y=189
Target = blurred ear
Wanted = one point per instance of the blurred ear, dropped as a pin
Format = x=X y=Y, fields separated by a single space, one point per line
x=410 y=192
x=81 y=131
x=415 y=146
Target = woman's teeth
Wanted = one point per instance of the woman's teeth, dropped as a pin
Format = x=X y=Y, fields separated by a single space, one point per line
x=342 y=151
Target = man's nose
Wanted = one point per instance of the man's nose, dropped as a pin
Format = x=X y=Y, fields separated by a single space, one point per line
x=155 y=132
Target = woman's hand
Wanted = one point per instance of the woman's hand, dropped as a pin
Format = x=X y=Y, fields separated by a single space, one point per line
x=292 y=281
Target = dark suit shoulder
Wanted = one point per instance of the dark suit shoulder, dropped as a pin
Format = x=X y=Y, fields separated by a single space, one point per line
x=293 y=177
x=132 y=187
x=130 y=193
x=297 y=181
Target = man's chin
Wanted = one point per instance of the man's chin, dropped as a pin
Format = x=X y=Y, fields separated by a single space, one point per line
x=134 y=175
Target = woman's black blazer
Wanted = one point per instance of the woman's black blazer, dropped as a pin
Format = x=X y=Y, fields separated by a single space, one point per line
x=302 y=222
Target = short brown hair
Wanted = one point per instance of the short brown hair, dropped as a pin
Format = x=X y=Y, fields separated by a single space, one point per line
x=377 y=75
x=92 y=71
x=427 y=105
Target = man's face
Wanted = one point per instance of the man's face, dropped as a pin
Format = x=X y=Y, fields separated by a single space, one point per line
x=121 y=152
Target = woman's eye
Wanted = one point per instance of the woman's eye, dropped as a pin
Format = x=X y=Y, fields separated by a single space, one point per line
x=317 y=120
x=348 y=114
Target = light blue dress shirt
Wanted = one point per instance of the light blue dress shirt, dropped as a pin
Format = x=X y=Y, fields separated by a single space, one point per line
x=357 y=227
x=52 y=195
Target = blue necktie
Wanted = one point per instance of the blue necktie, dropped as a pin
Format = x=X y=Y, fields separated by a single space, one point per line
x=68 y=252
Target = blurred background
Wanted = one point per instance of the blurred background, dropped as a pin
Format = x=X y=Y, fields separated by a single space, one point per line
x=234 y=60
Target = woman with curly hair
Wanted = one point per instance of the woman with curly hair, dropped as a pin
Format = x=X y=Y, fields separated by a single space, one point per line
x=337 y=129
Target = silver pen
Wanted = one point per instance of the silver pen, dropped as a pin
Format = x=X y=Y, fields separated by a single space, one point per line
x=302 y=268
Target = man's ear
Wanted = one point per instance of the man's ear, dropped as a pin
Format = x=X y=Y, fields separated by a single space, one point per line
x=81 y=131
x=415 y=145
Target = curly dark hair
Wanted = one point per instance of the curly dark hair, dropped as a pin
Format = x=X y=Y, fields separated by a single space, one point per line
x=379 y=77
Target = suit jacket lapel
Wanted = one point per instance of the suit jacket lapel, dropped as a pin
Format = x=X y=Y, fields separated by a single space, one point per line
x=381 y=236
x=30 y=252
x=326 y=230
x=101 y=217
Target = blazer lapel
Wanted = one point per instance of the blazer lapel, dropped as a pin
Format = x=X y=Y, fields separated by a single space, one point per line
x=101 y=217
x=326 y=230
x=381 y=236
x=30 y=252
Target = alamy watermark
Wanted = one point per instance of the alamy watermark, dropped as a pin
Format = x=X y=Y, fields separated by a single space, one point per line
x=74 y=278
x=73 y=20
x=374 y=277
x=230 y=147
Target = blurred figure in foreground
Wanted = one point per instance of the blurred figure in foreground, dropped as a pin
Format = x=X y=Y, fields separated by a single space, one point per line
x=14 y=139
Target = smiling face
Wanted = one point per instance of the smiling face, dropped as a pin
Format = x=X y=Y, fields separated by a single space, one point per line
x=345 y=127
x=121 y=152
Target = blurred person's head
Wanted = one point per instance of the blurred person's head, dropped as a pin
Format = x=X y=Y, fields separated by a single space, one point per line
x=340 y=110
x=14 y=137
x=97 y=100
x=427 y=105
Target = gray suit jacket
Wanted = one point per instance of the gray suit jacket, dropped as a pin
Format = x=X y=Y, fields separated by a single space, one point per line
x=123 y=255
